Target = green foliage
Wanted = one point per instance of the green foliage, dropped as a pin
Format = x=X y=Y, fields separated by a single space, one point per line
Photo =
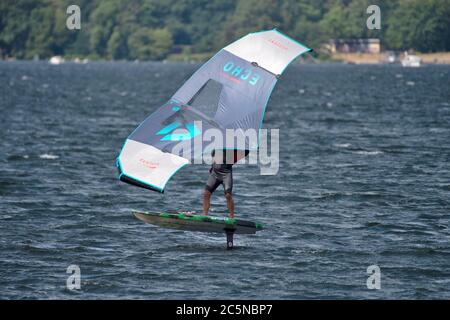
x=117 y=47
x=155 y=29
x=149 y=44
x=420 y=24
x=347 y=20
x=253 y=15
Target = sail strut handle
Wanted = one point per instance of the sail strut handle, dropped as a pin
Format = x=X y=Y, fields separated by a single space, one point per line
x=255 y=64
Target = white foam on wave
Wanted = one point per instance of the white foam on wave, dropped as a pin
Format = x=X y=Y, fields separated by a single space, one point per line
x=47 y=156
x=342 y=145
x=369 y=153
x=438 y=130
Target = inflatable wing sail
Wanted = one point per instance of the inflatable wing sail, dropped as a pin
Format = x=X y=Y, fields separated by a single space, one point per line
x=230 y=91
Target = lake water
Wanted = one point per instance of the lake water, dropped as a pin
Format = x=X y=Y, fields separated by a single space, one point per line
x=364 y=180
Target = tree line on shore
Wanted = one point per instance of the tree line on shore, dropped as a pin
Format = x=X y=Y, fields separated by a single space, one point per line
x=151 y=29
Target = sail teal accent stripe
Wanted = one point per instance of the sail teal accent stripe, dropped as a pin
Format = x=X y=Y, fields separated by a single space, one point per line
x=193 y=131
x=169 y=128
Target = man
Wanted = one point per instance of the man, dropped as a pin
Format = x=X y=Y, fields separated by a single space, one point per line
x=221 y=172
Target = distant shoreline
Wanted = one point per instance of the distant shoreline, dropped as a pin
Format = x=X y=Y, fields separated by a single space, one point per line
x=346 y=58
x=381 y=58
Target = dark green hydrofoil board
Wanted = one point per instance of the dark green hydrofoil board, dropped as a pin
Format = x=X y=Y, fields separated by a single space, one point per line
x=200 y=223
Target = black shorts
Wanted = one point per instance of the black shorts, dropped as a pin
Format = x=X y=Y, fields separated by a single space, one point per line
x=215 y=179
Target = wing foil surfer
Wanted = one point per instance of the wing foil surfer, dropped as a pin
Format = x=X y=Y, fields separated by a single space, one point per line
x=221 y=173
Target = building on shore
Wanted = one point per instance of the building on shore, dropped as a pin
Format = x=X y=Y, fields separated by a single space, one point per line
x=354 y=46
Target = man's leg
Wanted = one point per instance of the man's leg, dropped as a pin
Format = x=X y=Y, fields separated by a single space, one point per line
x=230 y=204
x=228 y=186
x=211 y=184
x=206 y=201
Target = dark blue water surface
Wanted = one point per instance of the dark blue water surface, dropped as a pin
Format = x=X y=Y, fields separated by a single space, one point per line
x=364 y=180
